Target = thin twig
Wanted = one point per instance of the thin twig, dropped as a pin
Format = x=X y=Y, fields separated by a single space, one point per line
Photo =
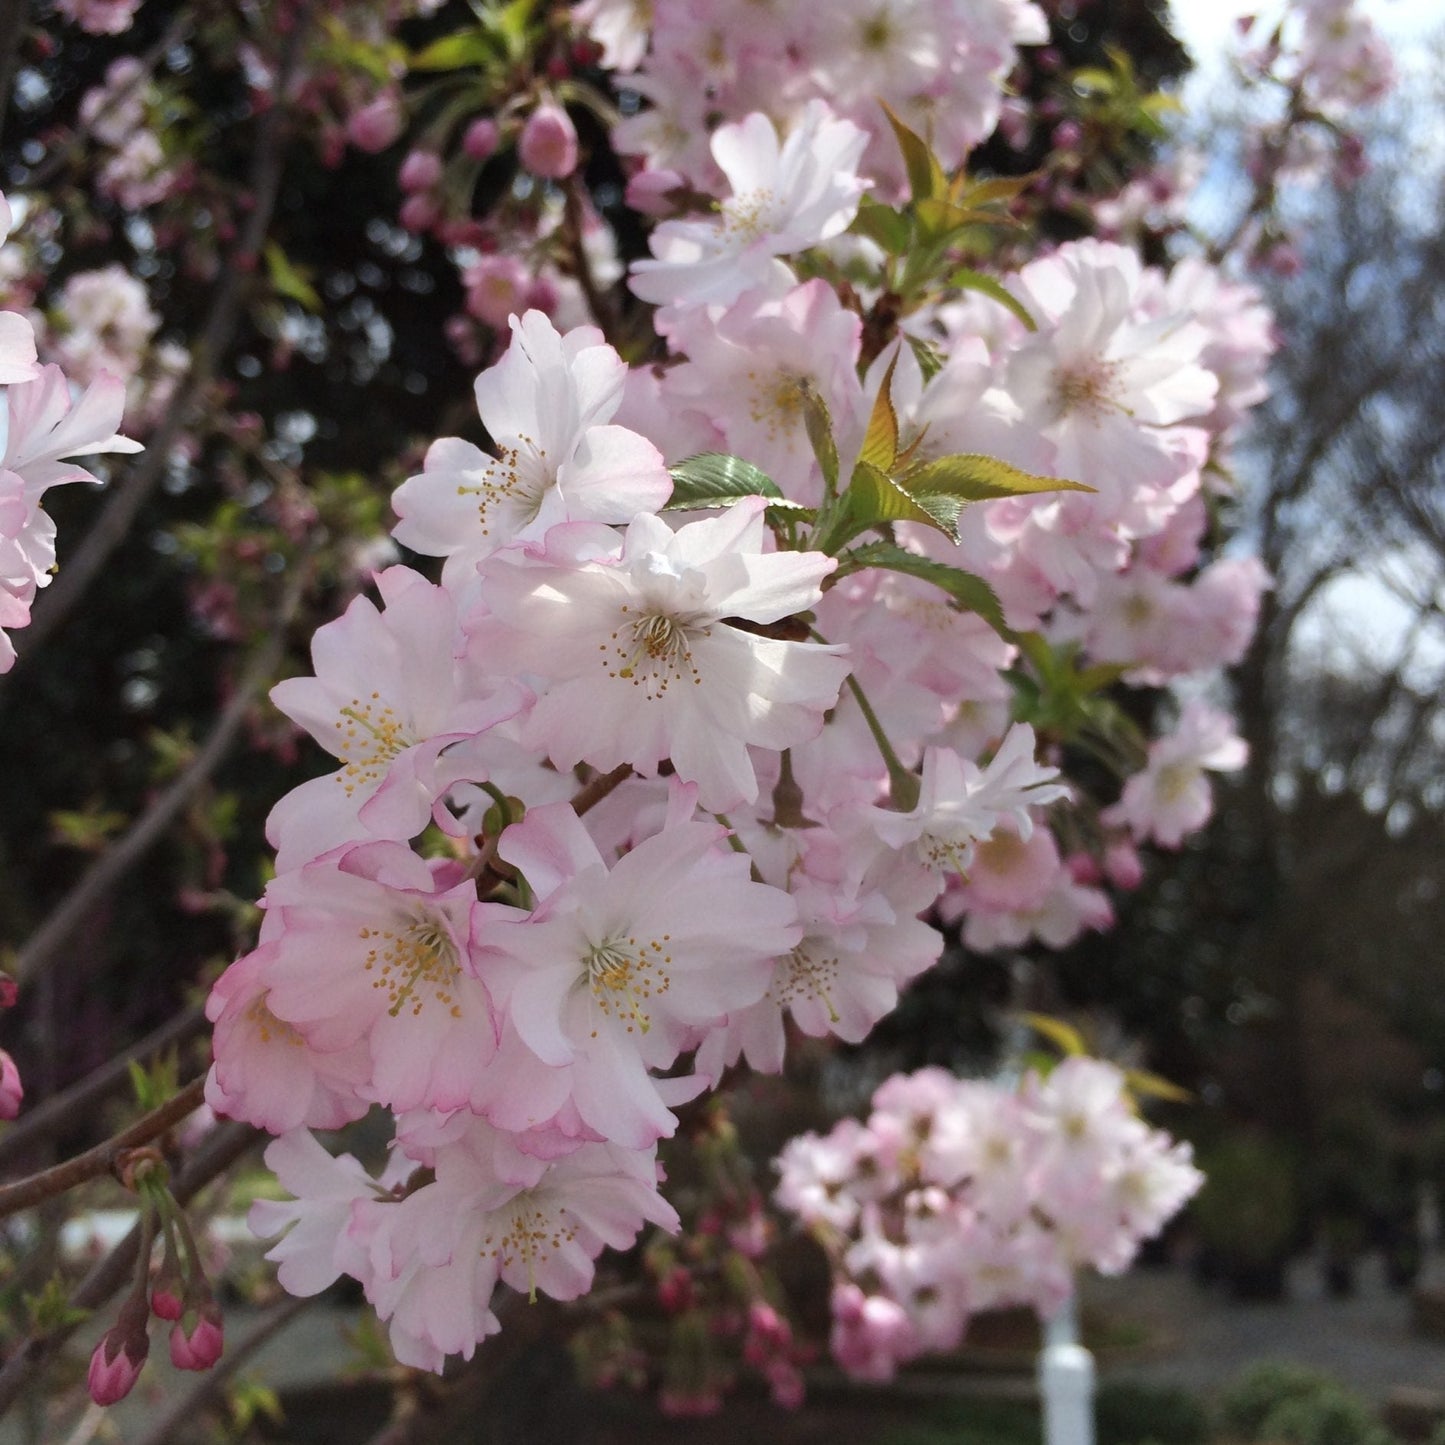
x=26 y=1193
x=80 y=903
x=188 y=1407
x=220 y=1149
x=54 y=1115
x=130 y=493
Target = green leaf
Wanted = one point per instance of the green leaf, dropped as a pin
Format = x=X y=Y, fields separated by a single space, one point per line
x=969 y=477
x=880 y=443
x=713 y=479
x=457 y=51
x=993 y=190
x=1064 y=1037
x=967 y=279
x=873 y=497
x=925 y=176
x=1155 y=1086
x=971 y=593
x=938 y=220
x=819 y=422
x=880 y=223
x=287 y=280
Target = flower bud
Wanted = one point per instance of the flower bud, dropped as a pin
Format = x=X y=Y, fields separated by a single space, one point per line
x=480 y=139
x=118 y=1359
x=12 y=1093
x=375 y=126
x=548 y=146
x=420 y=171
x=201 y=1348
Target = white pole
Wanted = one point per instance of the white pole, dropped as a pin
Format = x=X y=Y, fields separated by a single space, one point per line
x=1066 y=1380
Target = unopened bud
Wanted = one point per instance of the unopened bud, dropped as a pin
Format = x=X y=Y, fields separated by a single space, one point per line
x=548 y=146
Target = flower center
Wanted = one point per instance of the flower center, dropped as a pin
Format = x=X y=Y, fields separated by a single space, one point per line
x=625 y=976
x=1174 y=780
x=515 y=480
x=369 y=736
x=532 y=1233
x=804 y=974
x=651 y=651
x=1088 y=388
x=414 y=964
x=748 y=215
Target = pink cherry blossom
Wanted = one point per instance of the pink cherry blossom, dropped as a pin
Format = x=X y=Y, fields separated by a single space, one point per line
x=642 y=661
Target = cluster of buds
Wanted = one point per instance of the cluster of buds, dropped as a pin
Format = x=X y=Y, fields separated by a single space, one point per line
x=177 y=1291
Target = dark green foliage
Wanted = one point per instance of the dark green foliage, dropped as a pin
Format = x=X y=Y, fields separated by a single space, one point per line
x=1129 y=1414
x=1300 y=1406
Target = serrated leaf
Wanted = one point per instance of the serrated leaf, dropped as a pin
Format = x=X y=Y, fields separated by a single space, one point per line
x=287 y=280
x=930 y=363
x=925 y=176
x=971 y=477
x=1064 y=1037
x=880 y=442
x=456 y=51
x=874 y=497
x=715 y=479
x=882 y=224
x=971 y=593
x=819 y=422
x=967 y=279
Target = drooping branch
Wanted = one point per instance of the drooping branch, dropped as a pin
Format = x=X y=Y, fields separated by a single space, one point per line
x=54 y=1115
x=217 y=1152
x=26 y=1193
x=128 y=850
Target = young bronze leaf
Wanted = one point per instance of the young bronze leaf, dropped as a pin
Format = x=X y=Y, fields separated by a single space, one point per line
x=880 y=443
x=925 y=175
x=969 y=477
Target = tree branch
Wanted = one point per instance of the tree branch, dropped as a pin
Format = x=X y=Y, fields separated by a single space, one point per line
x=112 y=865
x=26 y=1193
x=127 y=498
x=56 y=1114
x=216 y=1153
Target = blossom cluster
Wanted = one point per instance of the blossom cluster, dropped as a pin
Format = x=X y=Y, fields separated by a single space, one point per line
x=959 y=1196
x=47 y=427
x=662 y=766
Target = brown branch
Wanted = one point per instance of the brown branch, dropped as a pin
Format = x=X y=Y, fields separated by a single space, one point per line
x=54 y=1115
x=80 y=903
x=26 y=1193
x=217 y=1152
x=127 y=497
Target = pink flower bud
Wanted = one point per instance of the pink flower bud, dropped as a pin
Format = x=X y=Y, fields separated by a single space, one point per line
x=376 y=126
x=12 y=1093
x=166 y=1304
x=420 y=171
x=116 y=1364
x=419 y=213
x=200 y=1349
x=9 y=990
x=481 y=137
x=548 y=147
